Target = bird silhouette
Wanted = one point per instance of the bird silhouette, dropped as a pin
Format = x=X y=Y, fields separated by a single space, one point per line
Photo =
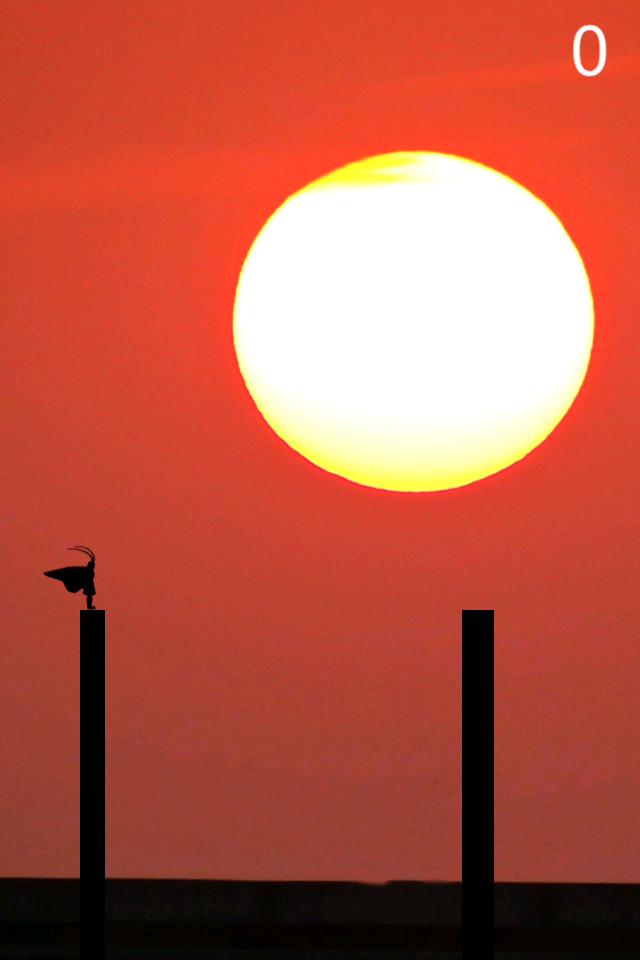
x=77 y=578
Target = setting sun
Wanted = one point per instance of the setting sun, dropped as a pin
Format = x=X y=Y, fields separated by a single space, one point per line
x=413 y=322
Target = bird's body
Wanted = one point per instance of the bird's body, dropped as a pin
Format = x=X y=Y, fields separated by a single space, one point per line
x=77 y=578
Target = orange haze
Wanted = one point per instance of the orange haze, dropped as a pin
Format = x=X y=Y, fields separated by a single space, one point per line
x=283 y=646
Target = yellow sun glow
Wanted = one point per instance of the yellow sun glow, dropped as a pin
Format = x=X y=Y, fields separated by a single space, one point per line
x=413 y=322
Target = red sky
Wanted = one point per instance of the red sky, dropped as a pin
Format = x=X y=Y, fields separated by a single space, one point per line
x=283 y=646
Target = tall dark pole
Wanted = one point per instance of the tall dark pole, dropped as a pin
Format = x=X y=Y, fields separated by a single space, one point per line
x=92 y=781
x=478 y=625
x=477 y=643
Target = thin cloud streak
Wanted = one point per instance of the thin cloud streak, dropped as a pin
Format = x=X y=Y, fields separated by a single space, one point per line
x=137 y=175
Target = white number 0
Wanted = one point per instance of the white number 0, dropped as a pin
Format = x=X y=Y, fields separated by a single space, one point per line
x=602 y=50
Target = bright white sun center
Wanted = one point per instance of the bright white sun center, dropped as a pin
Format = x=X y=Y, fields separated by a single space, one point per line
x=413 y=322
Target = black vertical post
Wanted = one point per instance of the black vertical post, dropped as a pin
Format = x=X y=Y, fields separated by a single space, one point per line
x=92 y=781
x=478 y=625
x=477 y=710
